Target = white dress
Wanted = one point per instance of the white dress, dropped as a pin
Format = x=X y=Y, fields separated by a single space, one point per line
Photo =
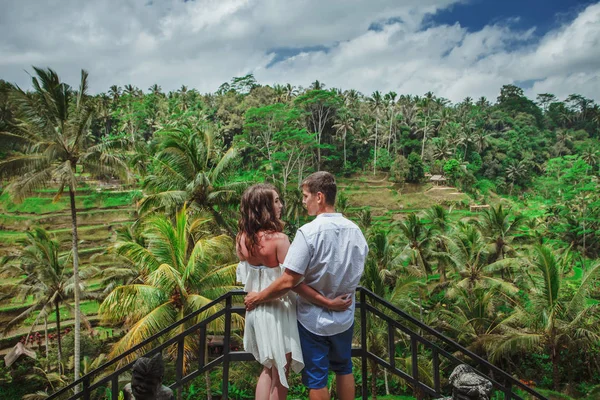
x=271 y=328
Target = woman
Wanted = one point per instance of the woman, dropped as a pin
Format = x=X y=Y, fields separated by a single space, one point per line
x=271 y=332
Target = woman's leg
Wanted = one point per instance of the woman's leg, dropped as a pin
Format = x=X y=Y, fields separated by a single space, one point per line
x=263 y=387
x=278 y=391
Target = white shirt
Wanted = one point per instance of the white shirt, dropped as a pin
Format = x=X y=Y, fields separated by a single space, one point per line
x=330 y=253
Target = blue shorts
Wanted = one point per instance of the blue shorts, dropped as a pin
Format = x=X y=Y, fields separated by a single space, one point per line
x=322 y=353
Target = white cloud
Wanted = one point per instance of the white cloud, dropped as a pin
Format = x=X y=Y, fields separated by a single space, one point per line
x=204 y=43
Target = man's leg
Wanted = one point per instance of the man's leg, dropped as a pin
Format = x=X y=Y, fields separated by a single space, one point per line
x=315 y=350
x=345 y=387
x=340 y=359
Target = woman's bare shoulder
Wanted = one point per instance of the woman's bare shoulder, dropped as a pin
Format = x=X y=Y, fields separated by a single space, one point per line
x=274 y=236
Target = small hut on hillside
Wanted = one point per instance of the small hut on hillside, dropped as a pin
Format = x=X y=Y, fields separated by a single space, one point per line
x=438 y=180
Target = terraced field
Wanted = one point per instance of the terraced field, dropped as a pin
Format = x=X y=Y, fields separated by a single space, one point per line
x=101 y=210
x=391 y=202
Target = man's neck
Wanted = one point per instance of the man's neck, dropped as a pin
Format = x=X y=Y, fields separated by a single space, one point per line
x=326 y=210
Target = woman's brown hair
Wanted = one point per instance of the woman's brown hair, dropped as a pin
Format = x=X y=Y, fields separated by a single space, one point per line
x=257 y=213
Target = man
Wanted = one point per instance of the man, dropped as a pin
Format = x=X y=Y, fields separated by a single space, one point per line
x=329 y=254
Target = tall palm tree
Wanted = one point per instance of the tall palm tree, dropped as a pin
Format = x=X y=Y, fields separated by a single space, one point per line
x=416 y=237
x=44 y=276
x=557 y=316
x=376 y=103
x=181 y=268
x=185 y=170
x=54 y=130
x=438 y=219
x=390 y=99
x=290 y=92
x=515 y=171
x=426 y=116
x=115 y=93
x=343 y=125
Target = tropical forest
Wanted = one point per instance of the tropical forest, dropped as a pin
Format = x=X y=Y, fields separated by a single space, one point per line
x=119 y=210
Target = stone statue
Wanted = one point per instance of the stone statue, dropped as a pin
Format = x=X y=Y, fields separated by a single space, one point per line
x=146 y=380
x=468 y=385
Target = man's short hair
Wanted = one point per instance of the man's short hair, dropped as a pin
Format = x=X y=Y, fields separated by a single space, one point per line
x=323 y=182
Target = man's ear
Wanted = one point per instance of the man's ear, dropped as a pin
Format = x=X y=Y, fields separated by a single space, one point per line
x=320 y=197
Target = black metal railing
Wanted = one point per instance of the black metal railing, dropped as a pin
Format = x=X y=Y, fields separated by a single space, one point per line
x=422 y=339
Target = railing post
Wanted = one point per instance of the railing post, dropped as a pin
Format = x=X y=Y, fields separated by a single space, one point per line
x=415 y=365
x=179 y=365
x=114 y=387
x=508 y=391
x=363 y=343
x=226 y=349
x=202 y=348
x=391 y=345
x=436 y=372
x=86 y=388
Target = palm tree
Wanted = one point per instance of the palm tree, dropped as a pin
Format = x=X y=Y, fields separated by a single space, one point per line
x=104 y=112
x=467 y=252
x=441 y=149
x=438 y=219
x=515 y=171
x=185 y=171
x=473 y=317
x=155 y=90
x=425 y=116
x=390 y=99
x=416 y=236
x=181 y=270
x=44 y=277
x=376 y=103
x=481 y=140
x=317 y=85
x=131 y=90
x=290 y=92
x=115 y=93
x=557 y=315
x=591 y=157
x=500 y=226
x=54 y=129
x=343 y=125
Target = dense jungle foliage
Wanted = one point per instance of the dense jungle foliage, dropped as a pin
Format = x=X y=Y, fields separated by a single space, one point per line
x=515 y=281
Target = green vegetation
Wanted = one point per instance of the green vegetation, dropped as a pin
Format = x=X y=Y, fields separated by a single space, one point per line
x=500 y=255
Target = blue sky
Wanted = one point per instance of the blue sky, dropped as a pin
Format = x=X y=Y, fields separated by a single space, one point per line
x=544 y=15
x=451 y=47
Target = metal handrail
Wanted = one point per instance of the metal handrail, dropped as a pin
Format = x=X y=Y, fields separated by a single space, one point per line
x=501 y=380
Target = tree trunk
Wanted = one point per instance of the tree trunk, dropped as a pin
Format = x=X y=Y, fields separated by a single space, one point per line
x=424 y=139
x=319 y=151
x=207 y=373
x=344 y=150
x=555 y=371
x=77 y=328
x=60 y=369
x=375 y=159
x=221 y=221
x=46 y=335
x=374 y=368
x=387 y=385
x=390 y=136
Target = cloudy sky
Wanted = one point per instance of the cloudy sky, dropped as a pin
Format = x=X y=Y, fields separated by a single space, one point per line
x=453 y=48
